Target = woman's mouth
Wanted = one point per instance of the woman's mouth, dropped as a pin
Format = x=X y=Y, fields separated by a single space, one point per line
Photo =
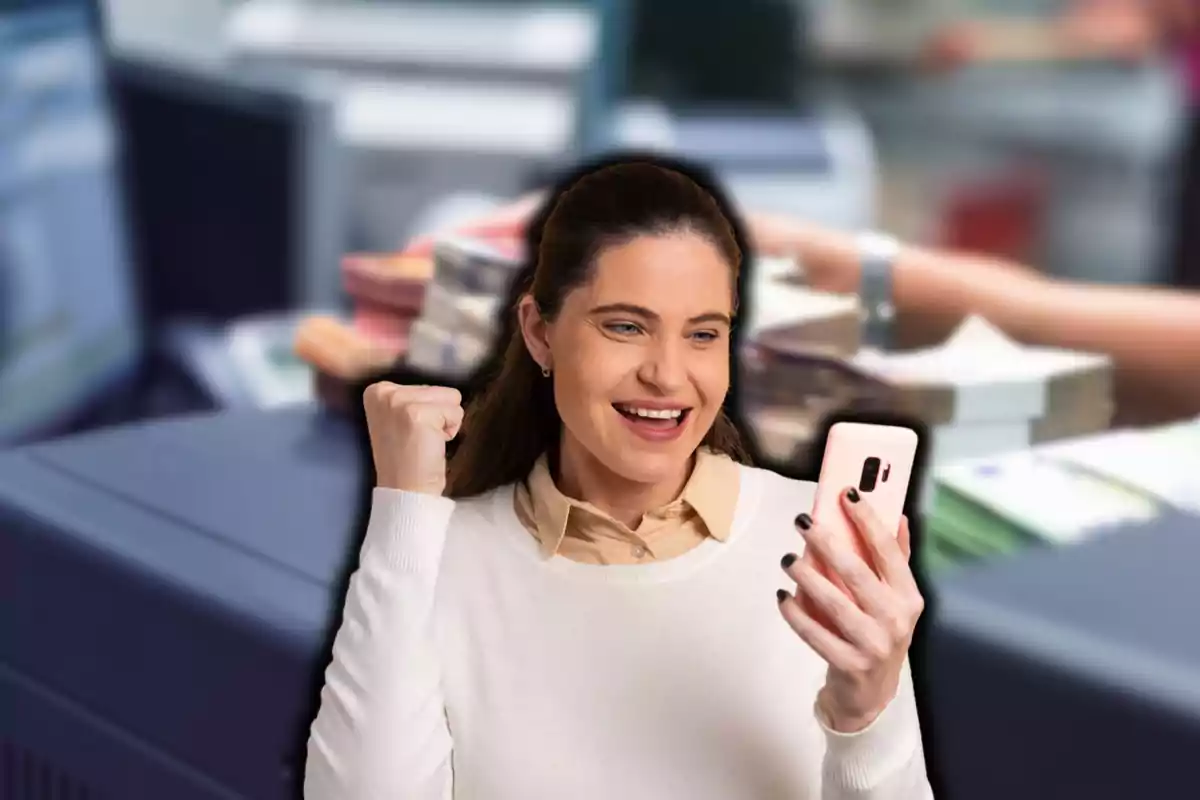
x=656 y=424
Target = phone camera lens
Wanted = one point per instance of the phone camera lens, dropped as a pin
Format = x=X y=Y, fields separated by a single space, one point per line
x=870 y=475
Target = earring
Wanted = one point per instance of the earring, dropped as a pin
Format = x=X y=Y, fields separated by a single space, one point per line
x=545 y=372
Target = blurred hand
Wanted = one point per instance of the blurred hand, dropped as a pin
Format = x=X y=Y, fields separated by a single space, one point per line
x=409 y=427
x=863 y=632
x=774 y=234
x=828 y=256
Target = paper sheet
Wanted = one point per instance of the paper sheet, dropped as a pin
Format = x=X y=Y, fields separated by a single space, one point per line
x=1059 y=504
x=1164 y=462
x=978 y=352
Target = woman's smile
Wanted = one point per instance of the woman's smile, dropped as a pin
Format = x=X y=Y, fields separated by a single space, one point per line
x=654 y=422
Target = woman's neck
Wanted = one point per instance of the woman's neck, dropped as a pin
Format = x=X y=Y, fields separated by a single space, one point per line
x=582 y=477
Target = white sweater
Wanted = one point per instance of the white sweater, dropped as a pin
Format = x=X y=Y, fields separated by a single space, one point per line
x=468 y=666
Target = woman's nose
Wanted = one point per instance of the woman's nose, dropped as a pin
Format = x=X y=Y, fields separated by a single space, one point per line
x=665 y=366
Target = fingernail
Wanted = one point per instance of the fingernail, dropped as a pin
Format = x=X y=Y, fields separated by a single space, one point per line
x=804 y=521
x=788 y=560
x=852 y=495
x=781 y=595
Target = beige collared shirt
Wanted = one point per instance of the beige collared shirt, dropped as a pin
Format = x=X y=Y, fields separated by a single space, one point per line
x=581 y=532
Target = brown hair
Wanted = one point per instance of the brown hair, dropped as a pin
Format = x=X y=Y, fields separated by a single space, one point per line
x=513 y=420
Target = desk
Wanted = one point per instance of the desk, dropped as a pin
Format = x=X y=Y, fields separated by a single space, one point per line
x=175 y=583
x=166 y=592
x=1072 y=672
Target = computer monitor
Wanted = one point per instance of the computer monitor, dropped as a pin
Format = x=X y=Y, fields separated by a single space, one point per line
x=69 y=331
x=236 y=190
x=715 y=55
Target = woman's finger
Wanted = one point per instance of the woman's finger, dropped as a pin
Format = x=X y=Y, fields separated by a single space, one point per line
x=852 y=623
x=882 y=543
x=844 y=562
x=835 y=650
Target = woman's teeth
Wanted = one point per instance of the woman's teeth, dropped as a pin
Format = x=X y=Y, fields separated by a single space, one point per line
x=648 y=413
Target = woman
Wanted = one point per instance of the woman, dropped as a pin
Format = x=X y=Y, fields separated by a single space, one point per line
x=597 y=598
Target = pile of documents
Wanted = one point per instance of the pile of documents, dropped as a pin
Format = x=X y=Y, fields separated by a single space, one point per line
x=387 y=293
x=460 y=317
x=981 y=393
x=796 y=369
x=438 y=312
x=1061 y=493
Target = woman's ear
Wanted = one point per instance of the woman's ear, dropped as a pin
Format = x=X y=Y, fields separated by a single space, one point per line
x=534 y=332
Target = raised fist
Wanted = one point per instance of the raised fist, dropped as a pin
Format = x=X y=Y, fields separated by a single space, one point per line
x=409 y=427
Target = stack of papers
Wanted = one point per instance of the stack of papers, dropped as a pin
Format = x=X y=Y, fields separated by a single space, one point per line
x=787 y=315
x=982 y=393
x=797 y=370
x=387 y=292
x=471 y=280
x=437 y=350
x=476 y=315
x=438 y=312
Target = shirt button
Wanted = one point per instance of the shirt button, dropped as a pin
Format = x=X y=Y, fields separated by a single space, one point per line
x=639 y=551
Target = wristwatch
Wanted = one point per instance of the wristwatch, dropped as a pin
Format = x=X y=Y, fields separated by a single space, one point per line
x=877 y=255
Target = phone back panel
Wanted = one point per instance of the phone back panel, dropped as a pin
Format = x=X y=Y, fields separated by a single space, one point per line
x=848 y=449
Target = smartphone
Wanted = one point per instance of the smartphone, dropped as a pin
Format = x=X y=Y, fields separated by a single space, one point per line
x=877 y=460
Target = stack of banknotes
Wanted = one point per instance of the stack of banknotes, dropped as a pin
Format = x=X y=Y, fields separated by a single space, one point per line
x=436 y=311
x=387 y=293
x=463 y=303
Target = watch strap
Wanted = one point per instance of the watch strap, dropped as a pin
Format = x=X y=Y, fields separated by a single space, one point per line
x=877 y=256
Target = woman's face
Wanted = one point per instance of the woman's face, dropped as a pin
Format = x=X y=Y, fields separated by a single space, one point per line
x=640 y=354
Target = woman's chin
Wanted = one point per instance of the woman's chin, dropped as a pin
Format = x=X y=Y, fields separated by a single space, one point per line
x=650 y=468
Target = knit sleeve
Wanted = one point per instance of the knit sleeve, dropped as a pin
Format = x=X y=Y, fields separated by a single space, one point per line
x=381 y=732
x=884 y=761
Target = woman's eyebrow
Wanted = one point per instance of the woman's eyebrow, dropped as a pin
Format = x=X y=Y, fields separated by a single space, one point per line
x=645 y=313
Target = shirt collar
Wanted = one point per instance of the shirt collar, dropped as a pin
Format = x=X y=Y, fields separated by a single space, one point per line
x=711 y=492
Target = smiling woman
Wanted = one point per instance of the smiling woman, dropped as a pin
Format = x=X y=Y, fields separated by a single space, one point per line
x=598 y=600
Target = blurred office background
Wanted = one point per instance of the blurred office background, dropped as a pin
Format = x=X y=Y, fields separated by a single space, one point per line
x=181 y=182
x=259 y=141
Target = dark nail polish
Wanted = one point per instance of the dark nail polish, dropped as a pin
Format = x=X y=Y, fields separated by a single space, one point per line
x=852 y=495
x=804 y=521
x=781 y=595
x=788 y=560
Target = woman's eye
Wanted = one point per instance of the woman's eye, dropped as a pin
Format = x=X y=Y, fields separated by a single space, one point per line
x=622 y=328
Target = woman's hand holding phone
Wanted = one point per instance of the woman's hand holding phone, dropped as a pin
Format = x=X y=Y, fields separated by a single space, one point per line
x=863 y=627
